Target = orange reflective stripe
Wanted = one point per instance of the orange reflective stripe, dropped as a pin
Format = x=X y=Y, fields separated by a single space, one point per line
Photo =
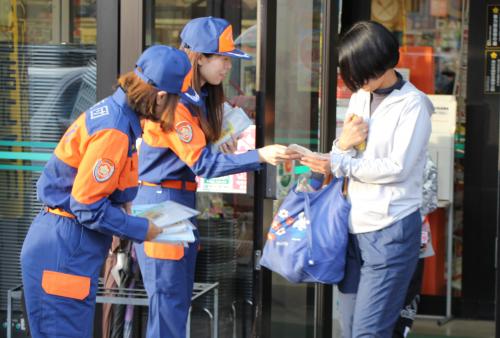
x=189 y=150
x=187 y=81
x=102 y=164
x=164 y=251
x=65 y=285
x=226 y=43
x=191 y=186
x=174 y=184
x=71 y=146
x=60 y=212
x=129 y=177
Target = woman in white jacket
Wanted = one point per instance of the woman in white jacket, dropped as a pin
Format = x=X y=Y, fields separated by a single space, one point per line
x=385 y=178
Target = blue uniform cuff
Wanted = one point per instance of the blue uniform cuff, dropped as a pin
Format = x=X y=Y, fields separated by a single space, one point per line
x=137 y=228
x=251 y=157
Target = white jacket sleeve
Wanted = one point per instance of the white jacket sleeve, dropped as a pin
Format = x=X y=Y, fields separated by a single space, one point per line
x=410 y=138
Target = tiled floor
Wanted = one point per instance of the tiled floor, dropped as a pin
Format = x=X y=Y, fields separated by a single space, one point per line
x=455 y=328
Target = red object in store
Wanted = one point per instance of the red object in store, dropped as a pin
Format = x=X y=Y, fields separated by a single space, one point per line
x=342 y=91
x=434 y=281
x=420 y=61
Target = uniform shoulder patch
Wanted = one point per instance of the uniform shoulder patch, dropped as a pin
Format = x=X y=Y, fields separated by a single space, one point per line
x=184 y=131
x=103 y=170
x=99 y=112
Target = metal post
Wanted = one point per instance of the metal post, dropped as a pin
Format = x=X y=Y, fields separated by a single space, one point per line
x=265 y=114
x=131 y=33
x=107 y=46
x=449 y=257
x=449 y=267
x=9 y=314
x=216 y=313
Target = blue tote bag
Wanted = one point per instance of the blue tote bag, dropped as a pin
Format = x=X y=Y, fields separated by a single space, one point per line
x=307 y=241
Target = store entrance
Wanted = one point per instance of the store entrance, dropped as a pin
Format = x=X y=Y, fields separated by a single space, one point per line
x=226 y=222
x=280 y=91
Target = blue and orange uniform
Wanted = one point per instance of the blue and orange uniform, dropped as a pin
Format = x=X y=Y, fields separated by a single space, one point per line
x=92 y=173
x=168 y=164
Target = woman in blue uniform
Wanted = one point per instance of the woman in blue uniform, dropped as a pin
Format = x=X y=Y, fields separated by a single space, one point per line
x=85 y=188
x=169 y=162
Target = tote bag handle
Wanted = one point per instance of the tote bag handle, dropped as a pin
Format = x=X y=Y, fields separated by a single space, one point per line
x=345 y=183
x=307 y=214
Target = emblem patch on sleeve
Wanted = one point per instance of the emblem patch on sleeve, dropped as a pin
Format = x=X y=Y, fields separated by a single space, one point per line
x=103 y=170
x=184 y=131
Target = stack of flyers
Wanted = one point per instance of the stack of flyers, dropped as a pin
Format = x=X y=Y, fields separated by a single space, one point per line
x=172 y=217
x=180 y=232
x=234 y=122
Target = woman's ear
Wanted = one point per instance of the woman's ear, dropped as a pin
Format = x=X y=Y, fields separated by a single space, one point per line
x=161 y=97
x=161 y=101
x=202 y=60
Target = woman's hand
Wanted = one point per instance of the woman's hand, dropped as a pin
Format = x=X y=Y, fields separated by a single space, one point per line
x=153 y=231
x=230 y=146
x=354 y=132
x=277 y=153
x=317 y=165
x=128 y=207
x=245 y=102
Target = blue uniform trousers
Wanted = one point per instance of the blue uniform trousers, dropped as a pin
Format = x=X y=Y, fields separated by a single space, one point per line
x=169 y=283
x=61 y=245
x=379 y=268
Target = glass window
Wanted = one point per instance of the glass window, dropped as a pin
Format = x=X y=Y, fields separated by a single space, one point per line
x=298 y=74
x=433 y=55
x=166 y=18
x=83 y=21
x=47 y=77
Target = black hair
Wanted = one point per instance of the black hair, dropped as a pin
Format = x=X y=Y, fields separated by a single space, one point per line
x=367 y=50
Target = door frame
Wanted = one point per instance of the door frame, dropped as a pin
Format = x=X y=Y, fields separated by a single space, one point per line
x=265 y=179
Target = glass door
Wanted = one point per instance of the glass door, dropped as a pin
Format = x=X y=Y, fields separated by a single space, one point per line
x=226 y=203
x=285 y=40
x=298 y=73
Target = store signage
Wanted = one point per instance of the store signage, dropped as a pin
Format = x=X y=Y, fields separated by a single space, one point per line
x=492 y=78
x=493 y=27
x=441 y=142
x=232 y=184
x=492 y=51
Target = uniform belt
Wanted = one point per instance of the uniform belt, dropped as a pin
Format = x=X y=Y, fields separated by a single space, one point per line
x=60 y=212
x=174 y=184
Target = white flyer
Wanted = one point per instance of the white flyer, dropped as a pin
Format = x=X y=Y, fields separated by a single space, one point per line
x=165 y=213
x=177 y=233
x=234 y=122
x=306 y=152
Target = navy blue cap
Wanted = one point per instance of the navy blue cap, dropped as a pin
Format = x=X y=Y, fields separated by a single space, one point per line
x=212 y=36
x=168 y=69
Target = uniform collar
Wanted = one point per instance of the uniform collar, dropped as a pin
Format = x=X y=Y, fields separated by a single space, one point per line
x=386 y=91
x=204 y=92
x=120 y=98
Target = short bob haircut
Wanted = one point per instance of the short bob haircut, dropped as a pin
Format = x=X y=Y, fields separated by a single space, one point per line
x=367 y=50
